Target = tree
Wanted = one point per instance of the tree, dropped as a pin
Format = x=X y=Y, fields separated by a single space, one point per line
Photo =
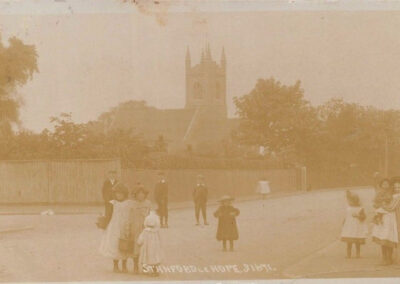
x=17 y=65
x=277 y=117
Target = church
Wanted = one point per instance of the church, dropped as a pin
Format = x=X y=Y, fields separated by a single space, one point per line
x=203 y=120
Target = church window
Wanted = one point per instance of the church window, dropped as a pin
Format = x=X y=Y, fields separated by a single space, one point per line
x=198 y=91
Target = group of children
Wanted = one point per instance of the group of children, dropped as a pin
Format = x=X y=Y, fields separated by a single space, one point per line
x=133 y=230
x=386 y=220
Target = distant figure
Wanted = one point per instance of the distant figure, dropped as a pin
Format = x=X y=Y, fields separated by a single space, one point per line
x=150 y=245
x=263 y=187
x=107 y=191
x=227 y=228
x=110 y=246
x=200 y=195
x=354 y=230
x=161 y=198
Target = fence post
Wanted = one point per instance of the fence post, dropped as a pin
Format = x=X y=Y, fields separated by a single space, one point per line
x=301 y=178
x=48 y=181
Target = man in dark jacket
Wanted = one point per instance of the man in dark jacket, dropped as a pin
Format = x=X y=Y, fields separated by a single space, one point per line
x=161 y=198
x=108 y=195
x=200 y=195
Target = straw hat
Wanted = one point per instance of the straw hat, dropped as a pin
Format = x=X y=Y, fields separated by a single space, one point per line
x=226 y=198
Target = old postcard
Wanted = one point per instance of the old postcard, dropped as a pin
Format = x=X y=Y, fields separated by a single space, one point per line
x=145 y=140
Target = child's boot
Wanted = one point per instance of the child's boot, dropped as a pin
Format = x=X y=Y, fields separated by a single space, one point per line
x=116 y=267
x=136 y=265
x=155 y=272
x=357 y=250
x=230 y=245
x=223 y=245
x=124 y=269
x=349 y=245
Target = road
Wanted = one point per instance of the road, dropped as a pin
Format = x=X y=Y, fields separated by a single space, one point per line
x=276 y=232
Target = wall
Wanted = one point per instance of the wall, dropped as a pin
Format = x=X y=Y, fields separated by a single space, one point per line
x=71 y=181
x=80 y=181
x=233 y=182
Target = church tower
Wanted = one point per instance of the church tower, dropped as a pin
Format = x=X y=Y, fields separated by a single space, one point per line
x=206 y=82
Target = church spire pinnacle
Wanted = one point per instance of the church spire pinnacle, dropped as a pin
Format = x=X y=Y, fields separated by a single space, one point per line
x=223 y=59
x=208 y=52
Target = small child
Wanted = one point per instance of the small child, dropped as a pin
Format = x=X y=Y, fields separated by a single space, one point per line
x=384 y=232
x=227 y=228
x=263 y=187
x=110 y=244
x=354 y=229
x=150 y=245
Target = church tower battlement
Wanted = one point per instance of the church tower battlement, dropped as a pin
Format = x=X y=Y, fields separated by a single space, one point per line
x=206 y=82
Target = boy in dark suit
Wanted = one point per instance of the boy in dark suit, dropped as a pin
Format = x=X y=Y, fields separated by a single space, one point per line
x=161 y=198
x=108 y=195
x=200 y=195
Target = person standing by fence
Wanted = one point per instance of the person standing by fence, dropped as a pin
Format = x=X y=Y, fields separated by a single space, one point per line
x=263 y=187
x=161 y=198
x=200 y=195
x=107 y=191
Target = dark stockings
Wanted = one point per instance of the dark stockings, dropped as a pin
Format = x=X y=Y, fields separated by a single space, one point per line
x=349 y=247
x=116 y=266
x=136 y=265
x=230 y=245
x=387 y=254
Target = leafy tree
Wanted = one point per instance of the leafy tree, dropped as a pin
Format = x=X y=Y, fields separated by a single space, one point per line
x=277 y=117
x=17 y=65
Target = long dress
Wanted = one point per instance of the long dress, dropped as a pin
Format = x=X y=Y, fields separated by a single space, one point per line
x=385 y=233
x=227 y=228
x=109 y=246
x=138 y=212
x=353 y=229
x=150 y=242
x=394 y=207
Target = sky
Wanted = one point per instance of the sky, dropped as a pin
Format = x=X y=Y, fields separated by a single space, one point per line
x=94 y=55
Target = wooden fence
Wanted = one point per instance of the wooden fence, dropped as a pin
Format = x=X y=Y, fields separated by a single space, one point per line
x=66 y=181
x=233 y=182
x=80 y=181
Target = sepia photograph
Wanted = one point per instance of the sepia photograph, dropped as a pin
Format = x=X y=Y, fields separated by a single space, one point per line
x=188 y=140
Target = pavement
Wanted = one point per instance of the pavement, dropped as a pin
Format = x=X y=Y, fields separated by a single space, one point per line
x=283 y=237
x=71 y=209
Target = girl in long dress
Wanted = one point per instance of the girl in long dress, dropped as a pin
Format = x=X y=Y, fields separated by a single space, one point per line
x=139 y=211
x=385 y=231
x=150 y=245
x=394 y=206
x=109 y=246
x=354 y=229
x=227 y=228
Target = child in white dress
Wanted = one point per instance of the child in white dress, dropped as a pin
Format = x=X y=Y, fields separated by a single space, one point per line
x=109 y=246
x=385 y=232
x=150 y=244
x=354 y=229
x=263 y=187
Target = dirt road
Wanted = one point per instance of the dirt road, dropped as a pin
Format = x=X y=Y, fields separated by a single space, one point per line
x=277 y=233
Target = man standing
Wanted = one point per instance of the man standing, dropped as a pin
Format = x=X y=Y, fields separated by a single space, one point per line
x=200 y=194
x=161 y=198
x=107 y=190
